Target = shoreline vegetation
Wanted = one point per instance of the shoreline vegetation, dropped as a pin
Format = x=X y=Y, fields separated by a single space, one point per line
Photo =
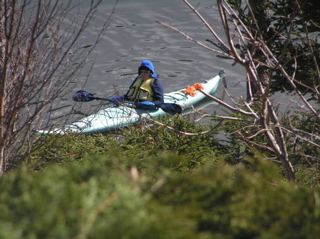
x=155 y=183
x=260 y=180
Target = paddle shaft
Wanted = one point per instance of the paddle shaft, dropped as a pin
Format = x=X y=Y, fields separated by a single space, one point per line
x=98 y=98
x=127 y=103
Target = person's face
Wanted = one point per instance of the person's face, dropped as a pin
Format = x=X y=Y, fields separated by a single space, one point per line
x=144 y=74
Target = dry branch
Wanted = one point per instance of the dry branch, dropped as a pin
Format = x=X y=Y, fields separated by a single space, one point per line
x=40 y=58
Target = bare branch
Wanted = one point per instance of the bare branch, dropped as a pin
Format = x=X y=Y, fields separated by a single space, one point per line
x=41 y=55
x=182 y=132
x=191 y=39
x=252 y=114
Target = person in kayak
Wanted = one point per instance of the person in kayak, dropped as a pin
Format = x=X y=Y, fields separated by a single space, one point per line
x=146 y=91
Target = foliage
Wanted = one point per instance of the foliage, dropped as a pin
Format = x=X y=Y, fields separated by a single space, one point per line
x=73 y=201
x=156 y=183
x=99 y=187
x=304 y=155
x=235 y=202
x=290 y=29
x=66 y=148
x=139 y=144
x=156 y=138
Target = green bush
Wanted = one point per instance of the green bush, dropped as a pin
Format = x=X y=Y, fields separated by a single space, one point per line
x=155 y=139
x=242 y=202
x=102 y=196
x=149 y=185
x=89 y=200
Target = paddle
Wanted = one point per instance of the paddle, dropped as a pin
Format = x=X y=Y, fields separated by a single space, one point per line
x=84 y=96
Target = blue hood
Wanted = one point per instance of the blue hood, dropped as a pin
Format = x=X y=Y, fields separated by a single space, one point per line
x=149 y=65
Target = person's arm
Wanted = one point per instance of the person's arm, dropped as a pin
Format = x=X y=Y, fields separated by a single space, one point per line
x=157 y=93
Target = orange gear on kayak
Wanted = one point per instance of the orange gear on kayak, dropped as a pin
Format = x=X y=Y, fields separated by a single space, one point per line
x=192 y=88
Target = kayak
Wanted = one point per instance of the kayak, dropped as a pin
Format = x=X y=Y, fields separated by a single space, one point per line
x=123 y=115
x=126 y=114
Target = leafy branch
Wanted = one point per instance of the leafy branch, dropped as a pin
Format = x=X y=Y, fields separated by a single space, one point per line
x=252 y=52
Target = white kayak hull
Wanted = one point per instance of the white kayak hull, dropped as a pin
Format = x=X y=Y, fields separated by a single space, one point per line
x=115 y=117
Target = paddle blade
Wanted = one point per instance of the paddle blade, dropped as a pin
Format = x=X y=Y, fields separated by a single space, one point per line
x=83 y=96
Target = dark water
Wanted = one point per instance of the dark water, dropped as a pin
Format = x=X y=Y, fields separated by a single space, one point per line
x=134 y=36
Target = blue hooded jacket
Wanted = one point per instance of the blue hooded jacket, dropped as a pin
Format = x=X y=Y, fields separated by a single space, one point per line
x=157 y=87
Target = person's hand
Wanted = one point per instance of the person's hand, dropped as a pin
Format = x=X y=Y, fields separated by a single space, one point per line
x=83 y=96
x=147 y=105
